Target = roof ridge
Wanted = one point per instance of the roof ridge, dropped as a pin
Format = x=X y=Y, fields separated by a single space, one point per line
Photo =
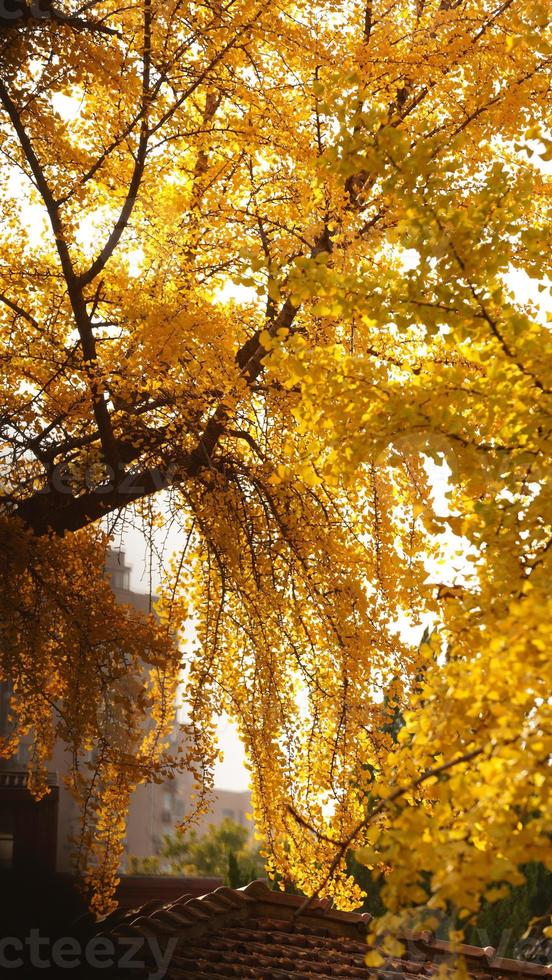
x=226 y=906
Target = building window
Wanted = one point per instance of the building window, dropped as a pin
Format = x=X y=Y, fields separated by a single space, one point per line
x=117 y=570
x=228 y=814
x=6 y=850
x=120 y=579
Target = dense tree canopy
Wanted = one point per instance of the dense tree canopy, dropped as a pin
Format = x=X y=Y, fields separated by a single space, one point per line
x=256 y=278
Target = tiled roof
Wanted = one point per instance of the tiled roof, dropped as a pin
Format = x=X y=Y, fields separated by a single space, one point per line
x=134 y=890
x=263 y=935
x=537 y=947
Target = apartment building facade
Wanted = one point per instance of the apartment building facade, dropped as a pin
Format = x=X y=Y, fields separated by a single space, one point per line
x=41 y=832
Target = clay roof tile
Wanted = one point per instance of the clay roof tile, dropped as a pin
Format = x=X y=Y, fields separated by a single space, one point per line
x=254 y=933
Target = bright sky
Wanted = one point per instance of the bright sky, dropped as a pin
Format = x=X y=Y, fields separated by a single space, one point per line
x=231 y=772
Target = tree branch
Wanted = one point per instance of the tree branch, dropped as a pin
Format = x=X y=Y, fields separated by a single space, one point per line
x=381 y=806
x=76 y=297
x=139 y=163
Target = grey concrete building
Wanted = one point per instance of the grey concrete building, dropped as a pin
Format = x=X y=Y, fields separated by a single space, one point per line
x=42 y=831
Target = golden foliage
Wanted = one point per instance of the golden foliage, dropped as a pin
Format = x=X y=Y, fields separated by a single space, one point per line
x=274 y=280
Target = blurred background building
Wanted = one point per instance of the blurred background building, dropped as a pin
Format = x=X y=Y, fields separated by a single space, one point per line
x=38 y=834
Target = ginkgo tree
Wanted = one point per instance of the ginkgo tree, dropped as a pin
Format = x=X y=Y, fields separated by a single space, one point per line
x=256 y=278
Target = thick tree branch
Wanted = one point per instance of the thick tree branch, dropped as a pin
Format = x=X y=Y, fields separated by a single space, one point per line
x=78 y=304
